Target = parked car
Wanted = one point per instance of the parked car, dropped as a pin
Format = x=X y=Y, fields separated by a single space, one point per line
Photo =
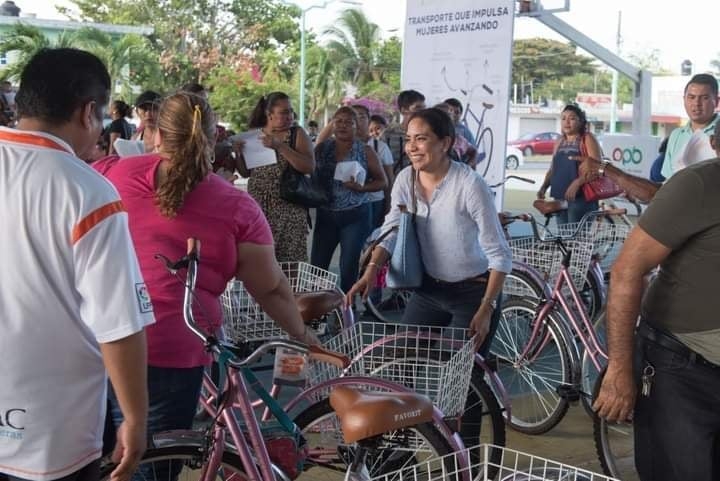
x=514 y=158
x=536 y=144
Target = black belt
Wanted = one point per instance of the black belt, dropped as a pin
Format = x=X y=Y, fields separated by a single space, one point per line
x=479 y=279
x=671 y=343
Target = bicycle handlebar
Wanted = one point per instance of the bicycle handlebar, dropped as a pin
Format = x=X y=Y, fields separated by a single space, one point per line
x=516 y=177
x=191 y=261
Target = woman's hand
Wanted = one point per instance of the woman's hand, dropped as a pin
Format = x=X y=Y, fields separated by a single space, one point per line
x=352 y=185
x=270 y=141
x=308 y=337
x=573 y=189
x=480 y=324
x=363 y=286
x=588 y=167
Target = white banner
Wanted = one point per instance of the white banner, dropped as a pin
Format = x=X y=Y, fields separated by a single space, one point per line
x=463 y=49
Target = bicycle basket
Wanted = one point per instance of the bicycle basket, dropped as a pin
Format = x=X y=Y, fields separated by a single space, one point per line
x=433 y=361
x=487 y=463
x=243 y=318
x=546 y=257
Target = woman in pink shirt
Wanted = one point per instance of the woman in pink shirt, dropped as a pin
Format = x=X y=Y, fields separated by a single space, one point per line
x=170 y=196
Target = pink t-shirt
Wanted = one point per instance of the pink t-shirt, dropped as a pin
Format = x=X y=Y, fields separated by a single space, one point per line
x=216 y=213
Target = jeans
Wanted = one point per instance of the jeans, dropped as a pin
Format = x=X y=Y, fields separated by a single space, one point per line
x=677 y=427
x=173 y=397
x=449 y=305
x=349 y=228
x=576 y=210
x=377 y=214
x=90 y=472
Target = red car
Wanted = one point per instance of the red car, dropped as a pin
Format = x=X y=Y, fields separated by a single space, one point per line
x=536 y=144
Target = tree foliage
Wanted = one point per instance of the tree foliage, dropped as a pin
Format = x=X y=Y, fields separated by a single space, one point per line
x=25 y=41
x=541 y=60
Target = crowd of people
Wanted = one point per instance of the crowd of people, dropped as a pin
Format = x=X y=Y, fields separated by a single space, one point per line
x=82 y=222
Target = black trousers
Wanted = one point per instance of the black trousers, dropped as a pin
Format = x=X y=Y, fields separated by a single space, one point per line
x=677 y=426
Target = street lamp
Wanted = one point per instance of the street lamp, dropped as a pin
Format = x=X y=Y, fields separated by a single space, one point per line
x=302 y=50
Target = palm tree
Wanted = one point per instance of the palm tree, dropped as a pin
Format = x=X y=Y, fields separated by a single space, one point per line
x=354 y=43
x=326 y=83
x=118 y=54
x=25 y=41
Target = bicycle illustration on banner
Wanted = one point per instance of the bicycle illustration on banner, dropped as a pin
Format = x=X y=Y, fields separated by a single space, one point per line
x=484 y=137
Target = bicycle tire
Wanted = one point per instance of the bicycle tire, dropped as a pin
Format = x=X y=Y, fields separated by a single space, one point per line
x=536 y=409
x=485 y=144
x=519 y=284
x=588 y=373
x=615 y=445
x=328 y=454
x=391 y=306
x=189 y=458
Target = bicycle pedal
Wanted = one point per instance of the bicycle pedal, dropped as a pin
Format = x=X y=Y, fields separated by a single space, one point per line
x=568 y=392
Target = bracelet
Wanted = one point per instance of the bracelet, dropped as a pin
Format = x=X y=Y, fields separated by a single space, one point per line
x=601 y=169
x=374 y=264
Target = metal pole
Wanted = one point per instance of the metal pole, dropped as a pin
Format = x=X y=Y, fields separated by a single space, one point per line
x=302 y=69
x=615 y=79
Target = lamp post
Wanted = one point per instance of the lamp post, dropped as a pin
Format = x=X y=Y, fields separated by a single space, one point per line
x=302 y=50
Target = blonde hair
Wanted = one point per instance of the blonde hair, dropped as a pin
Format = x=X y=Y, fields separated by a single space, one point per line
x=187 y=128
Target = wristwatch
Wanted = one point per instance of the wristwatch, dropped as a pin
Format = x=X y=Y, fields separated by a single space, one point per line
x=492 y=302
x=601 y=169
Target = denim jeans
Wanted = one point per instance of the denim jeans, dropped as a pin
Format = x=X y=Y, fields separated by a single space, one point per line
x=377 y=214
x=677 y=427
x=449 y=305
x=576 y=210
x=348 y=228
x=173 y=396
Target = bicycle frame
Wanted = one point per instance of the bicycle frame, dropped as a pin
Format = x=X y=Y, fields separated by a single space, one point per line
x=587 y=335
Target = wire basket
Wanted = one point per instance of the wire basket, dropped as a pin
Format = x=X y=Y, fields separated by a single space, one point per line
x=606 y=233
x=546 y=257
x=244 y=319
x=491 y=463
x=436 y=362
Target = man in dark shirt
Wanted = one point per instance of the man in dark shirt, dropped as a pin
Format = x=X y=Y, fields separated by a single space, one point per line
x=676 y=348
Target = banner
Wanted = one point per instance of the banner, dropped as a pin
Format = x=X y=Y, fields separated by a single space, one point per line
x=463 y=49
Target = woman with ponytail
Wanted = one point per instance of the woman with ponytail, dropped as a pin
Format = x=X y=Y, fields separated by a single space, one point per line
x=273 y=115
x=171 y=195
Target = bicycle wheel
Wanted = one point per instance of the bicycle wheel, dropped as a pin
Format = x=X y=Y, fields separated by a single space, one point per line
x=329 y=456
x=532 y=383
x=615 y=445
x=484 y=150
x=589 y=373
x=519 y=285
x=591 y=294
x=182 y=463
x=391 y=306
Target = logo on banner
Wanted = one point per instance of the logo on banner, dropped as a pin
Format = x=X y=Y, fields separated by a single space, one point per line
x=627 y=156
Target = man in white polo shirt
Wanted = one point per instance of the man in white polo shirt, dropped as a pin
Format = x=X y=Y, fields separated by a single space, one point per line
x=72 y=299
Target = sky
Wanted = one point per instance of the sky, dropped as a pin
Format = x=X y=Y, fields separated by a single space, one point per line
x=669 y=27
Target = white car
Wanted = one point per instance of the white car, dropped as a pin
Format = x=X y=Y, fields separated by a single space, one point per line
x=514 y=158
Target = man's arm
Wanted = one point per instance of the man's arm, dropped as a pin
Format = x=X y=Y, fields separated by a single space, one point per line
x=639 y=255
x=637 y=187
x=126 y=363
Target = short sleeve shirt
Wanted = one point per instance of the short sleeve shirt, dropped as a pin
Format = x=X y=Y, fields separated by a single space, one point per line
x=385 y=157
x=217 y=214
x=685 y=217
x=676 y=145
x=70 y=280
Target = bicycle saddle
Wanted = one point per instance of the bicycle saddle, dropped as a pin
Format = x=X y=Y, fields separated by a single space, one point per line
x=549 y=207
x=365 y=414
x=314 y=305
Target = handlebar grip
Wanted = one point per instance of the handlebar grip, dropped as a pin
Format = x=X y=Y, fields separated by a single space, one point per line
x=318 y=353
x=193 y=247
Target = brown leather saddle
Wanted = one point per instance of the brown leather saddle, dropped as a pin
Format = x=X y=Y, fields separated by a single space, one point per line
x=314 y=305
x=365 y=414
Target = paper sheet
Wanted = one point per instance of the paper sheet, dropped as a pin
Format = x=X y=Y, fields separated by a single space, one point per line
x=254 y=152
x=127 y=148
x=348 y=170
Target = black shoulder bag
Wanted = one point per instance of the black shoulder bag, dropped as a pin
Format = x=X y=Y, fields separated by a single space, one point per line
x=301 y=189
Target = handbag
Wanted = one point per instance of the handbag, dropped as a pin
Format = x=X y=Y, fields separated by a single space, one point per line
x=599 y=188
x=406 y=269
x=301 y=189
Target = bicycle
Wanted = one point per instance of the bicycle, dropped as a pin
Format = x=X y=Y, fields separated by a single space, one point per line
x=483 y=135
x=225 y=448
